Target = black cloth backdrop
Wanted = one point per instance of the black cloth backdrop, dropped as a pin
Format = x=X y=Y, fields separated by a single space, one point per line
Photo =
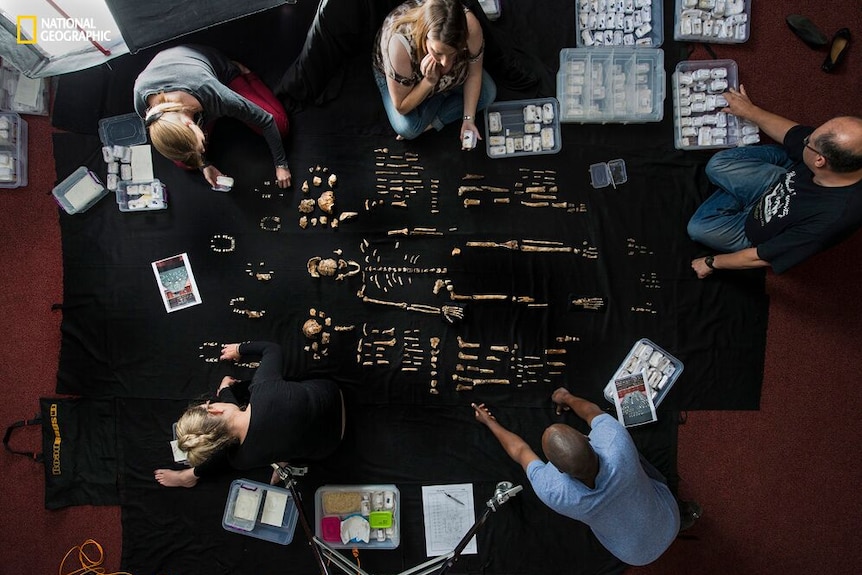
x=119 y=342
x=179 y=531
x=637 y=230
x=134 y=19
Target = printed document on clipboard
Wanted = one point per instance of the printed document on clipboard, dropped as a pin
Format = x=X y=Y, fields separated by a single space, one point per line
x=449 y=513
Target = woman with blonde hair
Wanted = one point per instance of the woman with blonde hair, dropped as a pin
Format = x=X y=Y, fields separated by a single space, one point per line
x=185 y=89
x=273 y=421
x=428 y=67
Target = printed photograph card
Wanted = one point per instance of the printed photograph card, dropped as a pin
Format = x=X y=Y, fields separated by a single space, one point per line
x=176 y=282
x=633 y=401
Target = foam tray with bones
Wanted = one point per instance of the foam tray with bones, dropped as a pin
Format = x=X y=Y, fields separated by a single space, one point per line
x=713 y=21
x=630 y=23
x=698 y=98
x=659 y=368
x=523 y=128
x=141 y=196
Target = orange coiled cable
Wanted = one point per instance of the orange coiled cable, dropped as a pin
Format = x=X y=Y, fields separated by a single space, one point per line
x=89 y=564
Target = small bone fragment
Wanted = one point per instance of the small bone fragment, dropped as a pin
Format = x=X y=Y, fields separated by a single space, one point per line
x=491 y=382
x=564 y=249
x=483 y=370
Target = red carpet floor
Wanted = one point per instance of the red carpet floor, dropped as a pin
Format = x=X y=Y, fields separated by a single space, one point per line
x=777 y=486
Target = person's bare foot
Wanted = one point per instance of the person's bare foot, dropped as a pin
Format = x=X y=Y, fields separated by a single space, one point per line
x=171 y=478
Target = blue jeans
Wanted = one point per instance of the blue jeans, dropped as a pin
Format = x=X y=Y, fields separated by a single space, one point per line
x=437 y=111
x=742 y=175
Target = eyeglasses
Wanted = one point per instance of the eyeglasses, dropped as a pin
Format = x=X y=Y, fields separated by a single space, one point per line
x=805 y=141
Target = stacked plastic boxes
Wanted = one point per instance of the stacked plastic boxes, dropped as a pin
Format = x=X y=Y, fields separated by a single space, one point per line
x=21 y=94
x=13 y=150
x=600 y=85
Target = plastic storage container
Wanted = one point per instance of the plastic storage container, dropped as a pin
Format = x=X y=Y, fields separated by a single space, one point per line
x=491 y=8
x=712 y=21
x=21 y=94
x=523 y=128
x=699 y=123
x=380 y=505
x=659 y=368
x=13 y=150
x=141 y=196
x=124 y=130
x=631 y=23
x=261 y=511
x=80 y=191
x=618 y=85
x=612 y=173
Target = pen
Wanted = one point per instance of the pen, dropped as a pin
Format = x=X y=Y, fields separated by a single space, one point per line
x=456 y=500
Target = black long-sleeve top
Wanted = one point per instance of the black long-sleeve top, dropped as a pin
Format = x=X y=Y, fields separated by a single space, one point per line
x=290 y=421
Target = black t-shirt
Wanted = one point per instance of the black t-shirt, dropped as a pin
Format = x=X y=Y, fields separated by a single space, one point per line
x=797 y=218
x=290 y=420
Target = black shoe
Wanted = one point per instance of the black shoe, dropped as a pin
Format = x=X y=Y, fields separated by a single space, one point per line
x=689 y=512
x=807 y=31
x=840 y=43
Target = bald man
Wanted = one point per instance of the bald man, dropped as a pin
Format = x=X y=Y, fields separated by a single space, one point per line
x=776 y=206
x=597 y=479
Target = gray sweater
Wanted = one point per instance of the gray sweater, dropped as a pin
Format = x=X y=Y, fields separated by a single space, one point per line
x=204 y=73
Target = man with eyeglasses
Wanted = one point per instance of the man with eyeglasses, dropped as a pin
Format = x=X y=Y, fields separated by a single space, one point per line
x=778 y=205
x=600 y=480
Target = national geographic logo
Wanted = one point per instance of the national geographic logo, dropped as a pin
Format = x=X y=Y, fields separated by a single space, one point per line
x=32 y=29
x=27 y=31
x=55 y=450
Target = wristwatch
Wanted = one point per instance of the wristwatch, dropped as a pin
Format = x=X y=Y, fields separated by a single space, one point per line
x=467 y=117
x=709 y=261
